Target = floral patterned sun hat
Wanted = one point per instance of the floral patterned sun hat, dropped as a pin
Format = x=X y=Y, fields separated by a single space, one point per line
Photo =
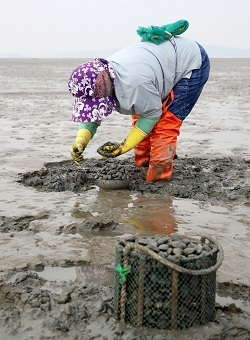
x=92 y=86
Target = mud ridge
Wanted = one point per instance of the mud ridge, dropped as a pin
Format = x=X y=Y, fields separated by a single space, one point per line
x=224 y=179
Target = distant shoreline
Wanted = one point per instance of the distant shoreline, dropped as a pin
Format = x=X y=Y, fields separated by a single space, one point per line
x=88 y=58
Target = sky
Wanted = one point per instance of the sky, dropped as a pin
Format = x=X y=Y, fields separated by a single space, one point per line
x=82 y=28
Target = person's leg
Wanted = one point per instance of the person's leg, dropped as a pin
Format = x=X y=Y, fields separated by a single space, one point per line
x=188 y=90
x=141 y=150
x=163 y=147
x=164 y=135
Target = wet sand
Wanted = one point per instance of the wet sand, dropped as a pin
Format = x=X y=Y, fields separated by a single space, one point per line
x=59 y=229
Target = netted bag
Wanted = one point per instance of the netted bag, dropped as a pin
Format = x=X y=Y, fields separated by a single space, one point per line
x=166 y=282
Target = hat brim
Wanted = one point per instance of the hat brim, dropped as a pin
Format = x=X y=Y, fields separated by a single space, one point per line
x=92 y=109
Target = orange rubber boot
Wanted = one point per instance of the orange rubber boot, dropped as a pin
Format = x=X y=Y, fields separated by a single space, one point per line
x=163 y=147
x=142 y=150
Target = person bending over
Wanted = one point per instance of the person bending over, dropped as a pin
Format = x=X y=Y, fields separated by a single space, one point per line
x=157 y=81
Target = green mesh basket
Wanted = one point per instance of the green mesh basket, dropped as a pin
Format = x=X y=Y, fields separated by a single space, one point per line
x=166 y=292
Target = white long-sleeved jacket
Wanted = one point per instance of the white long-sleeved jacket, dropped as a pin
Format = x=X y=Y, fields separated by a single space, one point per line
x=145 y=73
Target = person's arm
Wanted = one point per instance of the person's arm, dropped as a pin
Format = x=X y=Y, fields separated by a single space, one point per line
x=146 y=124
x=141 y=129
x=85 y=132
x=145 y=100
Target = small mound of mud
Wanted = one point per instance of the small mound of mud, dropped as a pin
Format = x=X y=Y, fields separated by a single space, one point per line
x=225 y=179
x=12 y=224
x=59 y=176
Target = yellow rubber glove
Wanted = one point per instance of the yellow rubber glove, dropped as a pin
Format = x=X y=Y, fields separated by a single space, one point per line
x=82 y=139
x=111 y=150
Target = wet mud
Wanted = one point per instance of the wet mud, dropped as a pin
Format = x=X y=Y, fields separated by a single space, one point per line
x=59 y=227
x=82 y=308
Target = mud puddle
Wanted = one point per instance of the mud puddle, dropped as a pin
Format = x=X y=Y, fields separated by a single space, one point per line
x=232 y=300
x=103 y=274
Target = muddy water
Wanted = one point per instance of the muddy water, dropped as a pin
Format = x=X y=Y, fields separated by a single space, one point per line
x=59 y=229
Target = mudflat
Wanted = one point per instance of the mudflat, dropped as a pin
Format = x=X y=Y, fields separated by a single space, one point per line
x=59 y=229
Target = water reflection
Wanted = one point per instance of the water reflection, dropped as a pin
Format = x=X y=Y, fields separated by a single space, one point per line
x=152 y=215
x=143 y=214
